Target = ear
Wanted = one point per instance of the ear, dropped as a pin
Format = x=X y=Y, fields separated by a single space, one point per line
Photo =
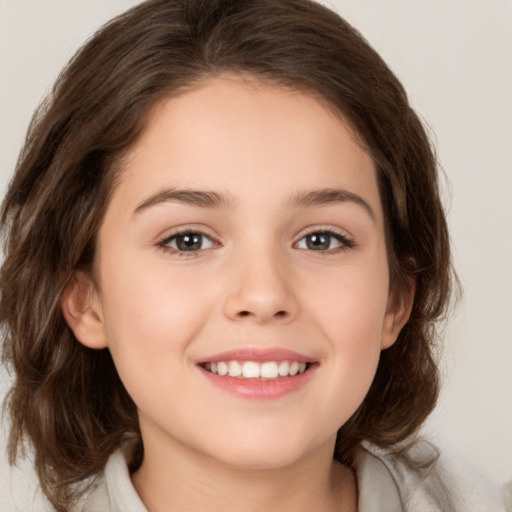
x=81 y=308
x=397 y=314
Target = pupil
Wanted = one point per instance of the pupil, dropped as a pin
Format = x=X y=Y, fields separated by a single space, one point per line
x=318 y=241
x=191 y=242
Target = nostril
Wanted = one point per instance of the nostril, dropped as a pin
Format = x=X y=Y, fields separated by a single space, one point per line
x=279 y=314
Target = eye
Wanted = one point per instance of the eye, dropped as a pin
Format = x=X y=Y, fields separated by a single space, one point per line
x=324 y=241
x=187 y=241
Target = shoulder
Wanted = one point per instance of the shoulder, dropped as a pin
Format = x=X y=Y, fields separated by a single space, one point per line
x=114 y=491
x=429 y=481
x=97 y=500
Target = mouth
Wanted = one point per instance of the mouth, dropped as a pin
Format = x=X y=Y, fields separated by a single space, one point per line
x=259 y=373
x=268 y=370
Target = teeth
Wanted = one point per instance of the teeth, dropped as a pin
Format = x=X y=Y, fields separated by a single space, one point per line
x=251 y=370
x=222 y=368
x=284 y=367
x=269 y=370
x=294 y=368
x=235 y=369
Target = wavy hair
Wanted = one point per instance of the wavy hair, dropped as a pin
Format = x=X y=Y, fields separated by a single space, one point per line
x=68 y=400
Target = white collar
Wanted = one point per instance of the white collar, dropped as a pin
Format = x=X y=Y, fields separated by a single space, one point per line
x=115 y=492
x=386 y=483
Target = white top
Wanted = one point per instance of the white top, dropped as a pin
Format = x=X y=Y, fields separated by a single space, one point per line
x=386 y=483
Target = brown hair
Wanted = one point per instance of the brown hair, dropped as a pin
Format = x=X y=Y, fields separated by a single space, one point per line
x=67 y=400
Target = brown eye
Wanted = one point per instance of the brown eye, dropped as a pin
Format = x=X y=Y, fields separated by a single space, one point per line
x=318 y=241
x=188 y=242
x=323 y=241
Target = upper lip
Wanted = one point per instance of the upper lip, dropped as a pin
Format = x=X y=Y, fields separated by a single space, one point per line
x=258 y=354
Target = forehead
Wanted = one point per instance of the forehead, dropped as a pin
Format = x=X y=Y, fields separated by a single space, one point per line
x=242 y=135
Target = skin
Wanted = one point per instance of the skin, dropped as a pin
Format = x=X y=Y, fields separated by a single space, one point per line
x=255 y=282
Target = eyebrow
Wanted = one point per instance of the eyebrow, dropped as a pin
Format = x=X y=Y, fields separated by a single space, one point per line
x=211 y=199
x=328 y=196
x=201 y=198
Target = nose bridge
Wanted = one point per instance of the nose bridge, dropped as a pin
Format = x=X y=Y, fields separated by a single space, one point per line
x=260 y=286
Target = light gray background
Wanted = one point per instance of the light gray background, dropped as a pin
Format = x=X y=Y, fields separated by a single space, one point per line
x=455 y=59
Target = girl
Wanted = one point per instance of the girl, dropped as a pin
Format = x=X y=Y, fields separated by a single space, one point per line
x=225 y=258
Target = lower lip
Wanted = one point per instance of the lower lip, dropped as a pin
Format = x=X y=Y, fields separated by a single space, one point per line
x=260 y=389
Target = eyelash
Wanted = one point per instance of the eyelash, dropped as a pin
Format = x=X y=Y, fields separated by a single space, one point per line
x=345 y=242
x=164 y=243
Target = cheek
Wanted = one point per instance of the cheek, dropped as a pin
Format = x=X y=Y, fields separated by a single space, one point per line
x=141 y=297
x=150 y=317
x=351 y=313
x=351 y=302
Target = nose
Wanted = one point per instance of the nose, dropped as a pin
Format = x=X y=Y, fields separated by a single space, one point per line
x=261 y=291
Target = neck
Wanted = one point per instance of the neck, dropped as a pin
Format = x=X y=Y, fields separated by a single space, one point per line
x=182 y=479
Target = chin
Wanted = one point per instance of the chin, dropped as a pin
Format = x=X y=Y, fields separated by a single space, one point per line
x=259 y=453
x=260 y=460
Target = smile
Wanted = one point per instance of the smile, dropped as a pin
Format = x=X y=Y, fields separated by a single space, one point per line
x=268 y=370
x=259 y=373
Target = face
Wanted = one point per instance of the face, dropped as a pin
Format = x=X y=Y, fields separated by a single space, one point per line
x=242 y=278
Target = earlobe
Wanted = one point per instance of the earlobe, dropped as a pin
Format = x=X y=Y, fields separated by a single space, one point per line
x=82 y=310
x=397 y=315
